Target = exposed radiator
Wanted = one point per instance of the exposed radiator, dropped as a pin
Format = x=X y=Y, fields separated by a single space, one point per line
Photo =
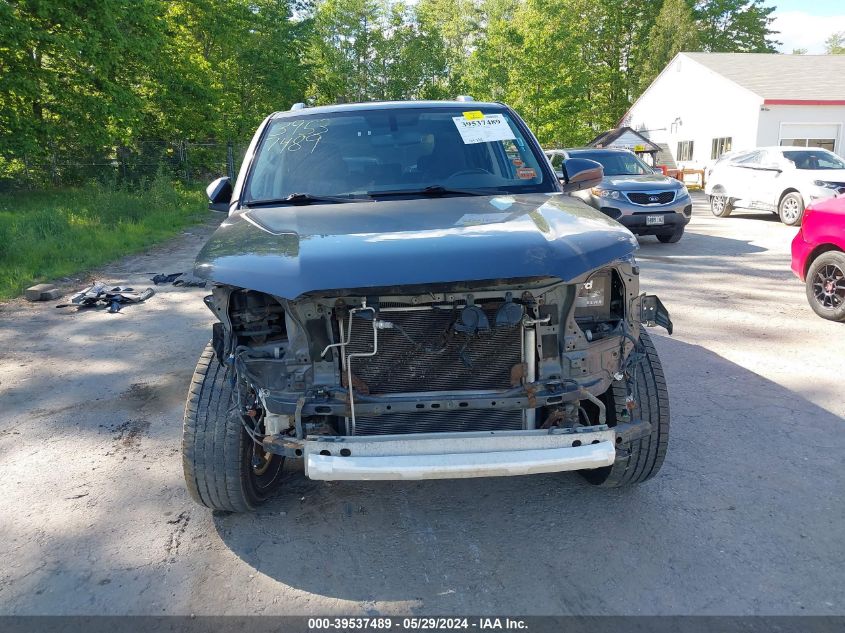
x=439 y=359
x=439 y=422
x=402 y=367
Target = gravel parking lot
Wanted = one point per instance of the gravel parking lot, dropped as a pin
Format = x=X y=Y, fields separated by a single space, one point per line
x=746 y=516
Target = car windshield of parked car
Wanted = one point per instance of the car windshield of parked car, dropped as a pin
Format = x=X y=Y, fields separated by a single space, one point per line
x=407 y=151
x=617 y=163
x=814 y=159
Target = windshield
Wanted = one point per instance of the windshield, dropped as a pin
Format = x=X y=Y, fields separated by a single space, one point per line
x=617 y=163
x=367 y=152
x=814 y=159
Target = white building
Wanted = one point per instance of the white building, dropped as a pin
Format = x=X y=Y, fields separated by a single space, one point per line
x=705 y=104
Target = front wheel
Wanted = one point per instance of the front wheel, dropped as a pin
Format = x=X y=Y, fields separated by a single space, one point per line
x=720 y=205
x=224 y=468
x=826 y=286
x=671 y=238
x=791 y=209
x=641 y=458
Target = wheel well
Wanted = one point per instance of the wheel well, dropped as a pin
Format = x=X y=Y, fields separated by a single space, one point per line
x=819 y=250
x=787 y=192
x=719 y=190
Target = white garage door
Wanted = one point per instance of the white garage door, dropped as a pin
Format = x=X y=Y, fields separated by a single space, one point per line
x=810 y=135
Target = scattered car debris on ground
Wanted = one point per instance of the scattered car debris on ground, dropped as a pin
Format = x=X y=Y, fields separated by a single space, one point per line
x=100 y=295
x=161 y=278
x=178 y=279
x=42 y=292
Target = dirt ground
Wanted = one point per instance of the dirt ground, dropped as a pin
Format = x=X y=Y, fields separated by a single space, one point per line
x=746 y=516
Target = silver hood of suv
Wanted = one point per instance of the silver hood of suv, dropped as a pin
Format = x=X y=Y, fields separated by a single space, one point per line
x=647 y=182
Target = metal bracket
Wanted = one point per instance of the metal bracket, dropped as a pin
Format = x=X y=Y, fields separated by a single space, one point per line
x=653 y=312
x=632 y=431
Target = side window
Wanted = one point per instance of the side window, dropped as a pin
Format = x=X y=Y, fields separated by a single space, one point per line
x=749 y=160
x=720 y=146
x=685 y=149
x=827 y=161
x=557 y=161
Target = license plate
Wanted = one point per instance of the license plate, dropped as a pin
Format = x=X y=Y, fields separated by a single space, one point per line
x=651 y=220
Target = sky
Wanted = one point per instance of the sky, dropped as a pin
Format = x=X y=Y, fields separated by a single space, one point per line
x=807 y=23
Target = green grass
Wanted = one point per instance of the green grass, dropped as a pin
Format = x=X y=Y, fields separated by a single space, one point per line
x=49 y=234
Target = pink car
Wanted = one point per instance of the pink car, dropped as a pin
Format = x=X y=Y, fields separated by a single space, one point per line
x=818 y=257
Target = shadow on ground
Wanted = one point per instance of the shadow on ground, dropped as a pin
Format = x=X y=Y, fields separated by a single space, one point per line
x=694 y=244
x=741 y=520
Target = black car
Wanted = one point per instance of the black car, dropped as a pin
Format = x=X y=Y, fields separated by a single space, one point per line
x=402 y=291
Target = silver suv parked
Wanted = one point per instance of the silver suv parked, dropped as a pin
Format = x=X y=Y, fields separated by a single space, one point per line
x=645 y=202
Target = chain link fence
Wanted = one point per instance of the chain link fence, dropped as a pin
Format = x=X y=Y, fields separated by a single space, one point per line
x=190 y=161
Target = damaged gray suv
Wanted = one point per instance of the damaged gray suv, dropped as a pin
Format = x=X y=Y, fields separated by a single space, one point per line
x=406 y=291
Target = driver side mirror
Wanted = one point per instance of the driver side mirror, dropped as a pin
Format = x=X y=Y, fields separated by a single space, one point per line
x=219 y=194
x=580 y=173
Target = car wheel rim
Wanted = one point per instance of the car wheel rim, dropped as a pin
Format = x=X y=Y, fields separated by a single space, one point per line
x=790 y=209
x=829 y=286
x=718 y=203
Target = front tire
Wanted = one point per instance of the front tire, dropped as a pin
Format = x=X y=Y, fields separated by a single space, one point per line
x=791 y=209
x=640 y=459
x=826 y=286
x=671 y=238
x=720 y=205
x=224 y=469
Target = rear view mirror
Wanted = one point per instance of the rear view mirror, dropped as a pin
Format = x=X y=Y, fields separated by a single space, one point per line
x=580 y=173
x=219 y=195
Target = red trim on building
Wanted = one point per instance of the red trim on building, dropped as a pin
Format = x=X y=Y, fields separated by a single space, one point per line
x=805 y=102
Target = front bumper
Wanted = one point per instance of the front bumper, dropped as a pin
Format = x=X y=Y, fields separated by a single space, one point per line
x=800 y=253
x=638 y=224
x=458 y=455
x=676 y=214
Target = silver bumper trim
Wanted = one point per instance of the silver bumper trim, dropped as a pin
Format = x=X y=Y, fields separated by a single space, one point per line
x=433 y=457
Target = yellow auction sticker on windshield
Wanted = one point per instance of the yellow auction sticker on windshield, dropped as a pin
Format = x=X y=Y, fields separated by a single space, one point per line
x=474 y=115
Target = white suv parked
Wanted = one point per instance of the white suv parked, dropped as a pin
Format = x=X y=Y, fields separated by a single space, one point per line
x=783 y=180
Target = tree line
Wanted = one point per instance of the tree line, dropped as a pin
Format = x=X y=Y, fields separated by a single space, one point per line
x=105 y=79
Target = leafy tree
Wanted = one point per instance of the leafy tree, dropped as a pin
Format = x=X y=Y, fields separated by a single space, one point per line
x=487 y=71
x=674 y=31
x=835 y=44
x=412 y=57
x=106 y=78
x=70 y=74
x=343 y=50
x=618 y=42
x=453 y=29
x=735 y=26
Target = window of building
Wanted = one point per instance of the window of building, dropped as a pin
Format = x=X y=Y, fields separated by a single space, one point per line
x=684 y=150
x=825 y=143
x=720 y=146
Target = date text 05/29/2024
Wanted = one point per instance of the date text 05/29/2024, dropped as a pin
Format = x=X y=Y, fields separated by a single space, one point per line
x=416 y=624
